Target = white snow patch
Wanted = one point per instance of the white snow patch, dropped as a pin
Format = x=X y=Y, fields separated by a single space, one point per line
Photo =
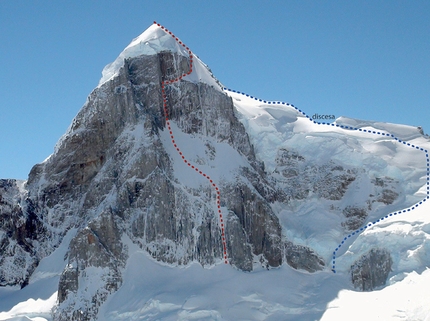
x=202 y=74
x=150 y=42
x=198 y=151
x=52 y=266
x=405 y=300
x=35 y=310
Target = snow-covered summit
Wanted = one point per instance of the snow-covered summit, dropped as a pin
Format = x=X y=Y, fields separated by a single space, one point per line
x=153 y=40
x=157 y=154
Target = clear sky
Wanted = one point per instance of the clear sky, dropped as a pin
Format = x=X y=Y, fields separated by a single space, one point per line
x=361 y=59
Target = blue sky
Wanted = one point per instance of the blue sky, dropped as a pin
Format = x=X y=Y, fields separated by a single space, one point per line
x=361 y=59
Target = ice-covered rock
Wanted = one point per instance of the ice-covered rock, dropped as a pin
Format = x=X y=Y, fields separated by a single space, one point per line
x=371 y=269
x=303 y=258
x=21 y=230
x=288 y=189
x=113 y=173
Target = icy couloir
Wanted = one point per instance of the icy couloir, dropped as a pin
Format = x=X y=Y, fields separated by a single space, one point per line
x=289 y=189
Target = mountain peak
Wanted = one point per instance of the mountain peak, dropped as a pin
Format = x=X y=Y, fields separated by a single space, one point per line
x=162 y=168
x=156 y=39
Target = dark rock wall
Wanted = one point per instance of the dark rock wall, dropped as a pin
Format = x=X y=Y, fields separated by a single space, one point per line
x=110 y=177
x=20 y=228
x=371 y=269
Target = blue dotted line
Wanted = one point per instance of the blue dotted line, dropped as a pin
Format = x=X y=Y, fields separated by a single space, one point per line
x=365 y=131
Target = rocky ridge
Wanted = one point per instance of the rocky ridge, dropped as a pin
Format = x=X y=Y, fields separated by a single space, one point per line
x=113 y=177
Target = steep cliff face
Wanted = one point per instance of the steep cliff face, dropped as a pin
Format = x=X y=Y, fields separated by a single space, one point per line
x=21 y=230
x=96 y=256
x=112 y=174
x=116 y=177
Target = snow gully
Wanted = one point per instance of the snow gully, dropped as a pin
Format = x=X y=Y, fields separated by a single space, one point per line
x=163 y=85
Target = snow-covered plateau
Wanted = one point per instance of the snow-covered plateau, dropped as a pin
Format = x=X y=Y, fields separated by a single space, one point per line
x=321 y=221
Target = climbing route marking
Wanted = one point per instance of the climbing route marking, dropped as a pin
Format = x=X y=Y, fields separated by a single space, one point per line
x=165 y=83
x=373 y=132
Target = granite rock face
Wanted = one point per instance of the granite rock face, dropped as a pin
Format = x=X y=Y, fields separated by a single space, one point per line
x=112 y=180
x=21 y=229
x=96 y=255
x=111 y=177
x=371 y=270
x=303 y=258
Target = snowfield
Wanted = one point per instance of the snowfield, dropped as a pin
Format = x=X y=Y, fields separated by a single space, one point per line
x=158 y=292
x=154 y=291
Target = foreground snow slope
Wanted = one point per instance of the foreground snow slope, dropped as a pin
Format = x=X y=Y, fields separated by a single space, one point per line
x=406 y=296
x=151 y=290
x=154 y=292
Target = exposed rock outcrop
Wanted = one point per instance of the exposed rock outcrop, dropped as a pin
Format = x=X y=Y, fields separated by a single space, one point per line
x=96 y=256
x=257 y=220
x=113 y=178
x=371 y=269
x=303 y=258
x=20 y=231
x=355 y=217
x=299 y=177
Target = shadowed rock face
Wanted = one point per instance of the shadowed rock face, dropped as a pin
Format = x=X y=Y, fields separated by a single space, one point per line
x=20 y=228
x=303 y=258
x=112 y=180
x=371 y=270
x=110 y=177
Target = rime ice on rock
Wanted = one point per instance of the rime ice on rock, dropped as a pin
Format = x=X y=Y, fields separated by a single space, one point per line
x=115 y=181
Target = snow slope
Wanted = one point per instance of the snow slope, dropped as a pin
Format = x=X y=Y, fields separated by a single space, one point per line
x=380 y=149
x=152 y=291
x=152 y=41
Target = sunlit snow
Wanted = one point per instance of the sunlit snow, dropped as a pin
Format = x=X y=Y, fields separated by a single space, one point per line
x=152 y=41
x=152 y=291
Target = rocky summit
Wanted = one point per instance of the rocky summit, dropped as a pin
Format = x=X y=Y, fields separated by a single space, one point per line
x=116 y=179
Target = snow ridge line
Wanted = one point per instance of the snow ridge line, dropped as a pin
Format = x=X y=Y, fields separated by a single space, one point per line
x=358 y=231
x=163 y=84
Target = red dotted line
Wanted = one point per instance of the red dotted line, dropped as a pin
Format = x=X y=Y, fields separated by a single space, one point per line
x=166 y=82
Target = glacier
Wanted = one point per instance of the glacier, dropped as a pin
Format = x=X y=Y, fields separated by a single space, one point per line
x=321 y=181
